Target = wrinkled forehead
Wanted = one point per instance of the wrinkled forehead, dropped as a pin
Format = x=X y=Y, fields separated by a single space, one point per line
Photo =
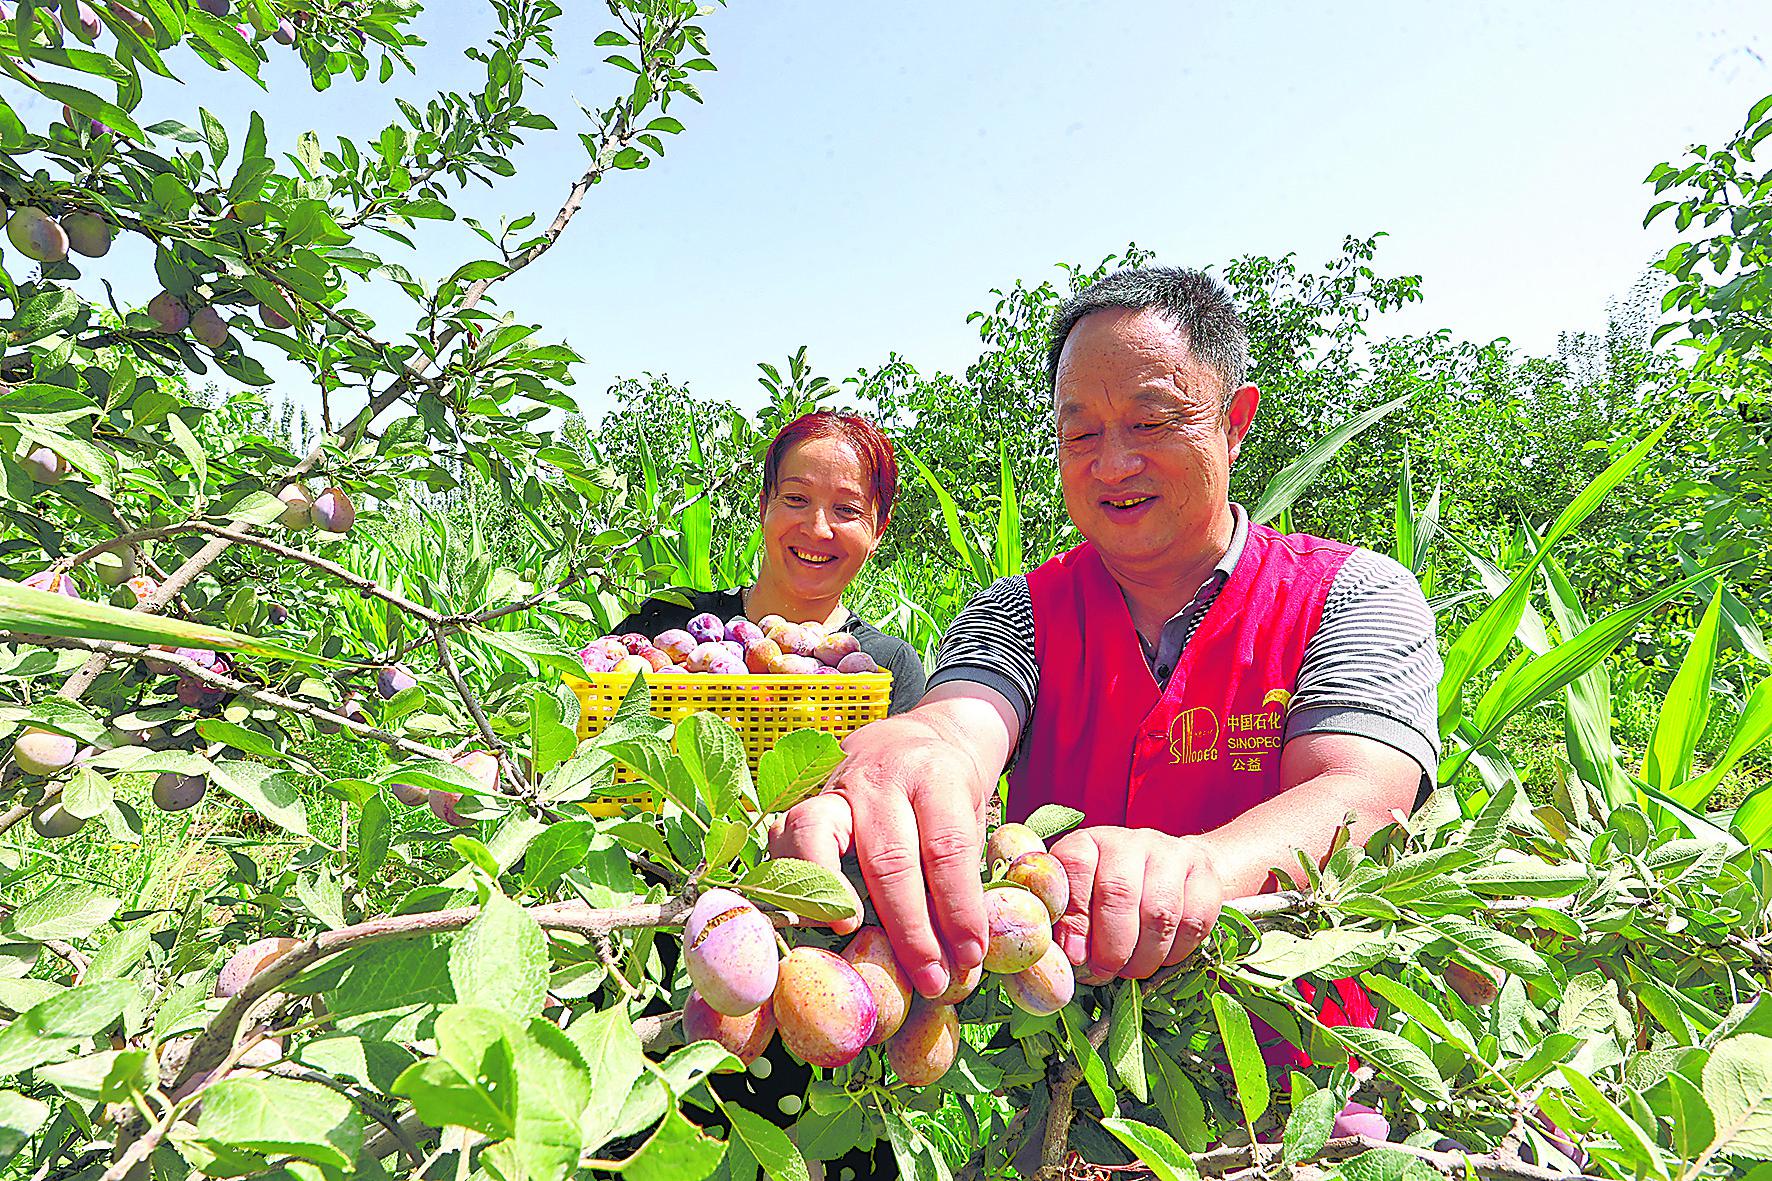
x=1117 y=359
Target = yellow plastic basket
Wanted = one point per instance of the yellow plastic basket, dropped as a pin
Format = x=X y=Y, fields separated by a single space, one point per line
x=761 y=708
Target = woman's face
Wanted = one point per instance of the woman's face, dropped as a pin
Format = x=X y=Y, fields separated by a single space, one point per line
x=819 y=523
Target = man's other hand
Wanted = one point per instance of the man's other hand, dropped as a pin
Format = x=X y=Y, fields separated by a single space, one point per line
x=1140 y=899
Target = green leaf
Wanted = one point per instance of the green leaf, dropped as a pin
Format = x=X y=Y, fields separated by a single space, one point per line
x=1738 y=1088
x=20 y=1118
x=1632 y=1140
x=677 y=1151
x=795 y=768
x=69 y=910
x=1247 y=1068
x=26 y=609
x=1402 y=1060
x=561 y=846
x=611 y=1051
x=472 y=1082
x=1694 y=1127
x=1126 y=1041
x=1289 y=484
x=1492 y=946
x=375 y=825
x=800 y=887
x=1308 y=1128
x=1685 y=711
x=273 y=794
x=499 y=961
x=1529 y=878
x=724 y=840
x=770 y=1145
x=1094 y=1070
x=1752 y=729
x=1048 y=820
x=87 y=794
x=714 y=756
x=48 y=1030
x=1166 y=1159
x=280 y=1115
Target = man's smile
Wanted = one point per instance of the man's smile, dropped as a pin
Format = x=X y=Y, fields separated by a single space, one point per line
x=810 y=557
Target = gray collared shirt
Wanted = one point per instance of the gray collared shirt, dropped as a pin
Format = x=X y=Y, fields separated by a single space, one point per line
x=1180 y=628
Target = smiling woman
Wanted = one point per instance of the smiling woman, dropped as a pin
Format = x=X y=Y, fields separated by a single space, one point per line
x=829 y=481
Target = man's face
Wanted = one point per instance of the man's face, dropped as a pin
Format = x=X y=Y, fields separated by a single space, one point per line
x=1145 y=446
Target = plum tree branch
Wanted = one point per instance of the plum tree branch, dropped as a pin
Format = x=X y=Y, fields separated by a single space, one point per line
x=1218 y=1162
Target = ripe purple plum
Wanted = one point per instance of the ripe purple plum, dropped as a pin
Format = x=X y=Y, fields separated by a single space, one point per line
x=284 y=33
x=858 y=662
x=742 y=631
x=1357 y=1119
x=443 y=807
x=216 y=8
x=655 y=660
x=36 y=235
x=833 y=648
x=631 y=666
x=1010 y=841
x=633 y=642
x=171 y=316
x=270 y=317
x=676 y=643
x=871 y=954
x=52 y=821
x=334 y=512
x=44 y=465
x=208 y=328
x=134 y=21
x=760 y=654
x=88 y=24
x=925 y=1046
x=730 y=951
x=1045 y=987
x=706 y=627
x=732 y=646
x=769 y=621
x=410 y=794
x=744 y=1037
x=798 y=640
x=174 y=792
x=705 y=655
x=351 y=708
x=1042 y=873
x=600 y=656
x=1019 y=929
x=43 y=752
x=277 y=614
x=392 y=680
x=823 y=1008
x=88 y=233
x=250 y=960
x=298 y=508
x=797 y=666
x=55 y=584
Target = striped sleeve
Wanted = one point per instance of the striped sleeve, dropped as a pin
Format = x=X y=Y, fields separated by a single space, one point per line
x=991 y=642
x=1372 y=668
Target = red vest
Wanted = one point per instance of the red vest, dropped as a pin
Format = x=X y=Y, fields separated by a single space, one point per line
x=1189 y=757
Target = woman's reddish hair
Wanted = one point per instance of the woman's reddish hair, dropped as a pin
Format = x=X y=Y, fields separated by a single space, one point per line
x=879 y=464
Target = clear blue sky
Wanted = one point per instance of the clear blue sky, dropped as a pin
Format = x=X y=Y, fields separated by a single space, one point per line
x=862 y=175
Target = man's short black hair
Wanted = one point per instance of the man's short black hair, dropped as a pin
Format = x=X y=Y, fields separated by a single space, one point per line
x=1193 y=301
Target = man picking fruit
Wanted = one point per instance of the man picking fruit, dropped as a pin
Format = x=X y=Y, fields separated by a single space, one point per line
x=1214 y=696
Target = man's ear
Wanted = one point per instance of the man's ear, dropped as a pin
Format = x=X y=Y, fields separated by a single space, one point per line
x=1239 y=416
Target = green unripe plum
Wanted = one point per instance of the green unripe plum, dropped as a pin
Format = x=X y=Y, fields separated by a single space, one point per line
x=730 y=951
x=925 y=1046
x=823 y=1008
x=1046 y=987
x=870 y=952
x=42 y=752
x=88 y=234
x=169 y=313
x=744 y=1037
x=334 y=512
x=298 y=510
x=1010 y=841
x=44 y=465
x=54 y=822
x=114 y=567
x=36 y=235
x=1019 y=929
x=962 y=986
x=250 y=960
x=208 y=328
x=1043 y=874
x=175 y=793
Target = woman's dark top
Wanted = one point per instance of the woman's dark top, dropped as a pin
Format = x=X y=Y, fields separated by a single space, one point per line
x=889 y=652
x=773 y=1086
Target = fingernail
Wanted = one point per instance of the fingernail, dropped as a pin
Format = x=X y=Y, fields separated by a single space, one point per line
x=930 y=980
x=1074 y=949
x=968 y=954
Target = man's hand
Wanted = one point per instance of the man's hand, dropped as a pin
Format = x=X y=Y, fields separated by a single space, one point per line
x=1140 y=899
x=908 y=802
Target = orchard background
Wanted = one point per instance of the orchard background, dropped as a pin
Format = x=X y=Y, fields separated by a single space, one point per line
x=1567 y=946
